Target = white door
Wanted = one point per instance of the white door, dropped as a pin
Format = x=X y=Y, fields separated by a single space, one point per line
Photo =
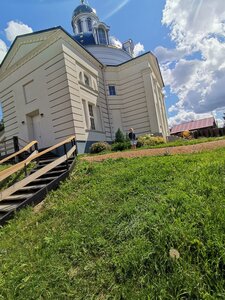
x=36 y=124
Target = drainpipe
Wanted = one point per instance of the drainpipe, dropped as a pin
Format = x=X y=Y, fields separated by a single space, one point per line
x=110 y=125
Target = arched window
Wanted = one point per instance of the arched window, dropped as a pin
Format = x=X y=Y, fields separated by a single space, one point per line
x=79 y=25
x=80 y=76
x=89 y=24
x=86 y=80
x=102 y=36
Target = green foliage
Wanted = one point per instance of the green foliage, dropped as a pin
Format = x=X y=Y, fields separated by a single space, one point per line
x=119 y=136
x=150 y=140
x=99 y=147
x=3 y=167
x=121 y=146
x=107 y=233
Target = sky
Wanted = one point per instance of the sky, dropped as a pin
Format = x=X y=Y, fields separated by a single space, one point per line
x=187 y=36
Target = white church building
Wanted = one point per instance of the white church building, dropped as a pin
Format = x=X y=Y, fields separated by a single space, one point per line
x=54 y=85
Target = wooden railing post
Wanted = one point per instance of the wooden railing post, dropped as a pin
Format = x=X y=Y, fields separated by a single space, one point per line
x=65 y=152
x=75 y=144
x=16 y=143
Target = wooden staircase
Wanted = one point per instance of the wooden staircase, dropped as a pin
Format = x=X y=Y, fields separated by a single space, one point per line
x=49 y=171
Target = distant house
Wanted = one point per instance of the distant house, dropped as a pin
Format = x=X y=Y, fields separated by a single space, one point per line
x=207 y=123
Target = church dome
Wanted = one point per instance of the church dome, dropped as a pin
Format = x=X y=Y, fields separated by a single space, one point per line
x=81 y=9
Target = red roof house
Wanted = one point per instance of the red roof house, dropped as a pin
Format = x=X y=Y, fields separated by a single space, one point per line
x=194 y=125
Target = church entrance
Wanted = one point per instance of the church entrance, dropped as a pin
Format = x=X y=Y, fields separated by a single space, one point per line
x=36 y=124
x=34 y=127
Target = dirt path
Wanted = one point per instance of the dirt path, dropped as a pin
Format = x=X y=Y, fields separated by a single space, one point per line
x=158 y=151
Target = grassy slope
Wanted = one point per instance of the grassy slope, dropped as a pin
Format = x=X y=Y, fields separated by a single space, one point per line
x=106 y=233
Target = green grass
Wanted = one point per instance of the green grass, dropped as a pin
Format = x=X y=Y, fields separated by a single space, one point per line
x=107 y=233
x=3 y=167
x=184 y=142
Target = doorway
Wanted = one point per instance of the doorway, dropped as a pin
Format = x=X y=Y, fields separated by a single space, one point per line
x=34 y=127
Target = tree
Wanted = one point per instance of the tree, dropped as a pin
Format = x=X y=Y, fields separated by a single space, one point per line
x=119 y=136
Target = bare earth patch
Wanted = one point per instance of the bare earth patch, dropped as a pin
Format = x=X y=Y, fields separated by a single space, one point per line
x=38 y=208
x=158 y=151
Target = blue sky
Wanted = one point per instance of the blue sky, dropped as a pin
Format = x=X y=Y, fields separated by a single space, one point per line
x=188 y=38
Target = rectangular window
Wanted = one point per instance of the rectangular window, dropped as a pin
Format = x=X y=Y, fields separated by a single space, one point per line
x=91 y=114
x=90 y=107
x=92 y=121
x=112 y=90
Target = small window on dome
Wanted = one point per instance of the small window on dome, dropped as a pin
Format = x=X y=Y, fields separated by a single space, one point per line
x=79 y=25
x=102 y=36
x=89 y=24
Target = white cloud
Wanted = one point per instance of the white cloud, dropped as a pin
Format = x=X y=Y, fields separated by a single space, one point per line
x=16 y=28
x=3 y=50
x=165 y=55
x=115 y=42
x=138 y=49
x=195 y=69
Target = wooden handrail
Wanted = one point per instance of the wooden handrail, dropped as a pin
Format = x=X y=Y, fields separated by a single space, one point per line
x=27 y=147
x=8 y=172
x=12 y=189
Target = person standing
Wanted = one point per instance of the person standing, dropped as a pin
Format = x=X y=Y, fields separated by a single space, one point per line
x=132 y=138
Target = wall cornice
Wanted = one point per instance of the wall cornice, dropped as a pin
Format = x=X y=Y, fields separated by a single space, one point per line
x=47 y=42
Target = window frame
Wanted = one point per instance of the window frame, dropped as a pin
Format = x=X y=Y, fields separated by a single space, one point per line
x=89 y=25
x=79 y=26
x=86 y=80
x=102 y=41
x=91 y=116
x=112 y=90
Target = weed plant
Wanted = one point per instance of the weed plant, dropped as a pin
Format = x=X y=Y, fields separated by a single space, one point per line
x=143 y=228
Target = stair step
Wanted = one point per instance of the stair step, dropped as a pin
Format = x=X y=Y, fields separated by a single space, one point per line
x=8 y=207
x=46 y=161
x=57 y=173
x=32 y=187
x=40 y=167
x=18 y=197
x=48 y=156
x=44 y=179
x=2 y=214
